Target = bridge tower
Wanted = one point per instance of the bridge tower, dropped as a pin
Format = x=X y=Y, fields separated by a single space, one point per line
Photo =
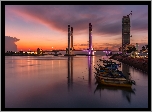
x=90 y=50
x=69 y=50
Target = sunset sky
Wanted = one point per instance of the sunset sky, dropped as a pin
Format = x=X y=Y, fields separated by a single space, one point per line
x=46 y=26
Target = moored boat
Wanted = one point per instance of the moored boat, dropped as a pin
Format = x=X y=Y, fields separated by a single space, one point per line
x=121 y=82
x=111 y=76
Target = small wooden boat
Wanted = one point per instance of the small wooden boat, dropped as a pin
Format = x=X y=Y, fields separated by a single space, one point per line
x=121 y=82
x=115 y=78
x=110 y=75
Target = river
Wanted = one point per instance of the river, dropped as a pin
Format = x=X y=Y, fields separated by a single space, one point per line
x=67 y=82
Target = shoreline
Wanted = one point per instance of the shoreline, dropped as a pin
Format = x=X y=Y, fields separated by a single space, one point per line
x=138 y=63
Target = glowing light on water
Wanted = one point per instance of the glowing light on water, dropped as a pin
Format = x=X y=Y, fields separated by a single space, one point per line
x=93 y=53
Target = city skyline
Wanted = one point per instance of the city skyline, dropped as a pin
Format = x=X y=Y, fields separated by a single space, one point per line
x=45 y=26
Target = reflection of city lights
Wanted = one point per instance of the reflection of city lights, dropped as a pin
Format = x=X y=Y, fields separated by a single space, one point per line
x=30 y=52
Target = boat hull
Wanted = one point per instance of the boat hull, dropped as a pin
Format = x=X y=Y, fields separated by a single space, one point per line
x=113 y=82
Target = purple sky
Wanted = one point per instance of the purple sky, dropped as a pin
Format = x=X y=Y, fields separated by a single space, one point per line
x=45 y=26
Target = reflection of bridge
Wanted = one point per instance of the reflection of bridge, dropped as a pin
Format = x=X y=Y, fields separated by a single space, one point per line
x=89 y=70
x=70 y=71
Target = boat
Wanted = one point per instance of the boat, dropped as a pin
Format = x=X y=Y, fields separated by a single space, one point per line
x=109 y=64
x=107 y=61
x=112 y=64
x=119 y=82
x=107 y=68
x=111 y=76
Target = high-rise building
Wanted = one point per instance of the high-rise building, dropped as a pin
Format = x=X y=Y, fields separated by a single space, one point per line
x=125 y=31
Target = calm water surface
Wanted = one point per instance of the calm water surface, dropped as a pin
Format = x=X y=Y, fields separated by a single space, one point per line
x=62 y=82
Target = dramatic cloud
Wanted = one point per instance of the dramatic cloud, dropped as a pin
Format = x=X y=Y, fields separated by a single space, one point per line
x=10 y=43
x=59 y=17
x=105 y=19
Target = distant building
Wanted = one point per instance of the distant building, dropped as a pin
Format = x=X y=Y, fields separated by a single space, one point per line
x=125 y=31
x=38 y=51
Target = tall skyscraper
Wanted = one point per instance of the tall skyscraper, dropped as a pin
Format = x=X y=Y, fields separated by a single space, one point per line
x=125 y=31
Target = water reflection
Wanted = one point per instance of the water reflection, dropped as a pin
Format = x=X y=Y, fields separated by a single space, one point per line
x=126 y=92
x=70 y=72
x=89 y=70
x=42 y=88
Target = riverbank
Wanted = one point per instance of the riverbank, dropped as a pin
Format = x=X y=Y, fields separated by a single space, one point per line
x=138 y=63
